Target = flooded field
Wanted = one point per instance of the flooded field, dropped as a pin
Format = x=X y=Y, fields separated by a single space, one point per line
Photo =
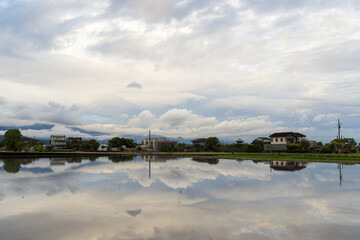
x=151 y=197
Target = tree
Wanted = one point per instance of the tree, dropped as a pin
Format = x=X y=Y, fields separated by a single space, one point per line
x=91 y=145
x=349 y=144
x=294 y=146
x=117 y=142
x=181 y=147
x=75 y=145
x=304 y=144
x=256 y=146
x=39 y=147
x=212 y=144
x=94 y=145
x=12 y=140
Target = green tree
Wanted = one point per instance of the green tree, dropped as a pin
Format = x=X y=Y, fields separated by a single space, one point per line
x=256 y=146
x=294 y=146
x=39 y=147
x=349 y=144
x=198 y=147
x=13 y=140
x=304 y=144
x=119 y=142
x=94 y=145
x=181 y=147
x=91 y=145
x=75 y=145
x=212 y=144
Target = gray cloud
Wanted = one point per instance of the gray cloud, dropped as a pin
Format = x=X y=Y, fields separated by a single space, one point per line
x=339 y=57
x=263 y=6
x=134 y=85
x=33 y=26
x=161 y=11
x=2 y=100
x=52 y=113
x=133 y=213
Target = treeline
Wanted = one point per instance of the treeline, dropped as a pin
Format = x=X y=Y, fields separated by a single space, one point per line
x=14 y=141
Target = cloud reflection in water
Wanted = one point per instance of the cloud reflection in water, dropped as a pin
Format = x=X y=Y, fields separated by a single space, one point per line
x=183 y=199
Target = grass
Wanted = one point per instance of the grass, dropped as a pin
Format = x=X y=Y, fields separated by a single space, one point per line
x=353 y=158
x=342 y=158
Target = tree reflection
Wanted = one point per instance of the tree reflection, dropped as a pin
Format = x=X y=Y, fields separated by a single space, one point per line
x=211 y=161
x=121 y=158
x=11 y=165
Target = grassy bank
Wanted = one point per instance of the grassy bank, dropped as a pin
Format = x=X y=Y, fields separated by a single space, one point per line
x=348 y=158
x=353 y=158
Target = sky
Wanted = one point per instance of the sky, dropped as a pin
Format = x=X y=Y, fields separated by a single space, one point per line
x=191 y=68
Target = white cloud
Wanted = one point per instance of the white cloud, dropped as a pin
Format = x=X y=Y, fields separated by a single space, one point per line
x=288 y=61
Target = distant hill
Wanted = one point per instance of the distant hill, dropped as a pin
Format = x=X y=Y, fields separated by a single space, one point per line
x=37 y=126
x=95 y=134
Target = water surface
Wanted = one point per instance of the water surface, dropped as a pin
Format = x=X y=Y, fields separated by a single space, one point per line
x=146 y=197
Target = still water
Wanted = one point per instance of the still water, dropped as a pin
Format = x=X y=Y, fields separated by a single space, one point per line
x=147 y=197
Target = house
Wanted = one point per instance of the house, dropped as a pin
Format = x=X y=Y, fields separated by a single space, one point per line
x=199 y=141
x=58 y=142
x=266 y=142
x=72 y=139
x=103 y=148
x=157 y=143
x=282 y=140
x=263 y=139
x=239 y=141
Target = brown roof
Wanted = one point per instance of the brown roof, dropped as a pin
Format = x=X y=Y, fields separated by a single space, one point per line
x=284 y=134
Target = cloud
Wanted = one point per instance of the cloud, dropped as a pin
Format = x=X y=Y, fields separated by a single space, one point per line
x=134 y=85
x=69 y=63
x=52 y=112
x=185 y=123
x=2 y=100
x=133 y=213
x=34 y=26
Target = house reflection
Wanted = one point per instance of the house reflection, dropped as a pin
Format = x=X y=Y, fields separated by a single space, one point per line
x=287 y=165
x=57 y=161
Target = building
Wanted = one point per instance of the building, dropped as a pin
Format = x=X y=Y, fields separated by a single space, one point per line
x=239 y=141
x=282 y=140
x=103 y=148
x=199 y=141
x=58 y=142
x=72 y=139
x=263 y=139
x=266 y=142
x=157 y=143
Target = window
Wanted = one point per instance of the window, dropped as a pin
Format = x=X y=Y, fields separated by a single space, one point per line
x=276 y=139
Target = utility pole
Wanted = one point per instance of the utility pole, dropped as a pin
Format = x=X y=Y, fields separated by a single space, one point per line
x=150 y=139
x=339 y=137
